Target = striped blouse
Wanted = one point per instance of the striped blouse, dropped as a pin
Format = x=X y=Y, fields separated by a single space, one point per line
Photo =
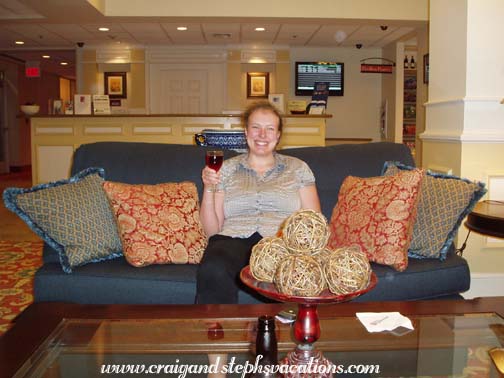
x=254 y=203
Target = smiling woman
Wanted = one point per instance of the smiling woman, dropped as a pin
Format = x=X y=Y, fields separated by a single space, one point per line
x=255 y=193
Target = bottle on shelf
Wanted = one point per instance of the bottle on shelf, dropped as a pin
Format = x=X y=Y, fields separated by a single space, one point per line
x=266 y=345
x=406 y=64
x=412 y=63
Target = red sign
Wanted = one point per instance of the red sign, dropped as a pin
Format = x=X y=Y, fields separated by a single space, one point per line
x=376 y=68
x=32 y=72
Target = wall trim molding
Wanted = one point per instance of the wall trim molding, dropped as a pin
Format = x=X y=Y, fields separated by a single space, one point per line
x=472 y=137
x=186 y=55
x=462 y=100
x=485 y=285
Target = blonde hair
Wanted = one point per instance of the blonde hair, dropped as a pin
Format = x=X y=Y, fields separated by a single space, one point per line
x=262 y=105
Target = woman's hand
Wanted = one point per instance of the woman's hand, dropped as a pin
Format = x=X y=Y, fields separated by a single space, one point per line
x=210 y=177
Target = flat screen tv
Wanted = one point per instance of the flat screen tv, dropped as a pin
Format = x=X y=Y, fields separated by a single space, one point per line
x=308 y=73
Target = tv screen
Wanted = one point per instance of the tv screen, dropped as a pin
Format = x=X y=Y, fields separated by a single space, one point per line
x=307 y=73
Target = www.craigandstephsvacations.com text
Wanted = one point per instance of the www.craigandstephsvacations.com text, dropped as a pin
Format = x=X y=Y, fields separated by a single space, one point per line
x=181 y=370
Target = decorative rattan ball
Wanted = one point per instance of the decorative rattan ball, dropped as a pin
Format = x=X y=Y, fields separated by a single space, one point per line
x=305 y=231
x=265 y=258
x=347 y=270
x=322 y=256
x=300 y=275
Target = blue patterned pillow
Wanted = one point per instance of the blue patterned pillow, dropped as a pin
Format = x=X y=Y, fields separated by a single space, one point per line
x=73 y=216
x=444 y=202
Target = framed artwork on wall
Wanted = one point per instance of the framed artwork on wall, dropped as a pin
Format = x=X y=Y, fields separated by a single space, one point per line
x=257 y=84
x=115 y=84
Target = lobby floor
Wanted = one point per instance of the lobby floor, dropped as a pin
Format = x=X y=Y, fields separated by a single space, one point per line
x=12 y=228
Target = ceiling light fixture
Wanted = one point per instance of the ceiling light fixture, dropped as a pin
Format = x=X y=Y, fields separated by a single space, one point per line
x=19 y=43
x=46 y=56
x=182 y=28
x=64 y=63
x=103 y=29
x=259 y=29
x=340 y=36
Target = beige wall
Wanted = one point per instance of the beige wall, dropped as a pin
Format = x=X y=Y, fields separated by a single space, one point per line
x=357 y=113
x=349 y=9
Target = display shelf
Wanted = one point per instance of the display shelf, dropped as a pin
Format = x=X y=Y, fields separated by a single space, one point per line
x=409 y=108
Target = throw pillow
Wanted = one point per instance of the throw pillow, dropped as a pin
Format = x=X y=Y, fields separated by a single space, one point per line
x=159 y=224
x=377 y=214
x=445 y=201
x=73 y=216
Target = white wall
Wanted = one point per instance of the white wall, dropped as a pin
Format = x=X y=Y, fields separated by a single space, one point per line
x=357 y=113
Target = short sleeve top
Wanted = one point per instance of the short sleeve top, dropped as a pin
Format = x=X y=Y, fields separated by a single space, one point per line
x=260 y=203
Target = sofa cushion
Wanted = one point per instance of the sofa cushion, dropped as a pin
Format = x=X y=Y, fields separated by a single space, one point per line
x=73 y=216
x=377 y=214
x=444 y=202
x=423 y=279
x=125 y=284
x=158 y=224
x=176 y=284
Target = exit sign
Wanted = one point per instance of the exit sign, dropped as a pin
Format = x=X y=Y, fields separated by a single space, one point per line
x=32 y=72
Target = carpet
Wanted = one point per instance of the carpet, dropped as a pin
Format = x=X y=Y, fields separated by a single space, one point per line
x=18 y=263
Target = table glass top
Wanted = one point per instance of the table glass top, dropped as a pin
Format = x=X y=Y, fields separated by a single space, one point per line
x=446 y=345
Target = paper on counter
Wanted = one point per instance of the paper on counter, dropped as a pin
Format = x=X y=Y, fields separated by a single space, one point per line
x=383 y=321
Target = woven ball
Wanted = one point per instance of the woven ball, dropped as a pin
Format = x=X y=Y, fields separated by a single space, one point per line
x=305 y=231
x=347 y=270
x=300 y=275
x=265 y=258
x=322 y=256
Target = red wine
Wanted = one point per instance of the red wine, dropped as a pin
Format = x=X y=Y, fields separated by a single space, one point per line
x=214 y=161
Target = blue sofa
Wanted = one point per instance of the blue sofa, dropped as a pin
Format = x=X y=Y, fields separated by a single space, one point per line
x=115 y=281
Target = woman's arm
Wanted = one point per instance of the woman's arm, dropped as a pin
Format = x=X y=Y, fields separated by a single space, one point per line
x=212 y=203
x=309 y=198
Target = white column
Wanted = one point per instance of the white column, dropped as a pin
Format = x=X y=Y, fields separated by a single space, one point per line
x=464 y=115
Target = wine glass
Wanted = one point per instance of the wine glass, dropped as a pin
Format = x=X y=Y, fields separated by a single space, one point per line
x=214 y=160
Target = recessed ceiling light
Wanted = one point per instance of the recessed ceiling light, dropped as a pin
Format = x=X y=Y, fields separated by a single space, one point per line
x=103 y=29
x=64 y=63
x=259 y=29
x=19 y=43
x=182 y=28
x=46 y=56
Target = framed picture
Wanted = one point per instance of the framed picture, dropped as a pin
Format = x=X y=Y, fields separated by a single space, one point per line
x=257 y=84
x=426 y=68
x=115 y=84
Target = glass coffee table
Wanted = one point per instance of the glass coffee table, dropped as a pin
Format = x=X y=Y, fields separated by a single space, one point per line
x=451 y=338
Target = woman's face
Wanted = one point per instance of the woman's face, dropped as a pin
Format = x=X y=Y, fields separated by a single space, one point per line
x=262 y=132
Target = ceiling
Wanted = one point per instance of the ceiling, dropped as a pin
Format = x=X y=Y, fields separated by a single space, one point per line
x=44 y=27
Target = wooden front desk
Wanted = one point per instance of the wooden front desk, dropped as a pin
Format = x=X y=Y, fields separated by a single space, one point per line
x=55 y=138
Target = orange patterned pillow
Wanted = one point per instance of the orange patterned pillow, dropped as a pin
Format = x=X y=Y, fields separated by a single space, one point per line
x=158 y=224
x=377 y=214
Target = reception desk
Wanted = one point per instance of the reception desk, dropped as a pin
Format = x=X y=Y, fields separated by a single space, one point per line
x=55 y=138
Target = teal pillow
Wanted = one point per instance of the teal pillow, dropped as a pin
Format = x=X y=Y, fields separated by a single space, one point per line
x=445 y=200
x=73 y=216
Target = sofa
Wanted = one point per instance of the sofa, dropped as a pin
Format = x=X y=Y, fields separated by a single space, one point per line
x=115 y=281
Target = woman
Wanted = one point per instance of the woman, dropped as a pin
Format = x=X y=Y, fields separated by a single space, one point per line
x=255 y=193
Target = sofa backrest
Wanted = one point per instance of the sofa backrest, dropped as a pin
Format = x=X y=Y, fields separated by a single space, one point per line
x=332 y=164
x=144 y=163
x=152 y=163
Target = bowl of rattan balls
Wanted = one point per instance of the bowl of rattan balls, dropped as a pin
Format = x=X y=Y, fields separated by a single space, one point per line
x=299 y=263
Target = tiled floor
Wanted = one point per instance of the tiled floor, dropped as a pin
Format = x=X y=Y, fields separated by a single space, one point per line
x=11 y=227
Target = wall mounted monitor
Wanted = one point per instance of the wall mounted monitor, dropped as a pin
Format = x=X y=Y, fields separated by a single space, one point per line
x=307 y=73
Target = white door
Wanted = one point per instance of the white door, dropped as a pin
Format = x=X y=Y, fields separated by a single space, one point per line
x=182 y=91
